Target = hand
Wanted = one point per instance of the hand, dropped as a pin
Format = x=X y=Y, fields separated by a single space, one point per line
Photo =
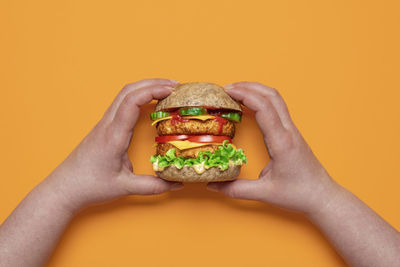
x=294 y=178
x=99 y=169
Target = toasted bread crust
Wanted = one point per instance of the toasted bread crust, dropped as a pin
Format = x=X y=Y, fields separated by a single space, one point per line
x=188 y=174
x=198 y=94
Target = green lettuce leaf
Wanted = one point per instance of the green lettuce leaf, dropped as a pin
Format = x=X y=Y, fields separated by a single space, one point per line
x=220 y=158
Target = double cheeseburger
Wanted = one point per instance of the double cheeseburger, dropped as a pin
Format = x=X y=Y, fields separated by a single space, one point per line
x=195 y=126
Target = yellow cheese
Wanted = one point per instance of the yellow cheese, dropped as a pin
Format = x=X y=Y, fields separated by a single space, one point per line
x=182 y=145
x=199 y=117
x=158 y=120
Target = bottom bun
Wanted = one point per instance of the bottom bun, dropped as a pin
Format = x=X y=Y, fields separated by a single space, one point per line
x=188 y=174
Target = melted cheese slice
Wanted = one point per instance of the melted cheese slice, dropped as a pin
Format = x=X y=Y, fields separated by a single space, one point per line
x=182 y=145
x=199 y=117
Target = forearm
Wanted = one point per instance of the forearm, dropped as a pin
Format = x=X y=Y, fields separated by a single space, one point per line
x=31 y=232
x=360 y=235
x=97 y=171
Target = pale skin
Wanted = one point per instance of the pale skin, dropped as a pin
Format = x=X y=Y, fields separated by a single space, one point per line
x=294 y=179
x=99 y=170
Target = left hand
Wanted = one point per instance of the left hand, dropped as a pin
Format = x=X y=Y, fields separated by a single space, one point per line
x=294 y=178
x=99 y=169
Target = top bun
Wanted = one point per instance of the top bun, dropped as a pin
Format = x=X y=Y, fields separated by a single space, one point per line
x=197 y=95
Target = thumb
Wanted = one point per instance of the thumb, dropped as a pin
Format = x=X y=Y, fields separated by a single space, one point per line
x=241 y=188
x=148 y=185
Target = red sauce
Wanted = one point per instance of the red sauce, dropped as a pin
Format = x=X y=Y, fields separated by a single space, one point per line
x=221 y=121
x=208 y=107
x=176 y=118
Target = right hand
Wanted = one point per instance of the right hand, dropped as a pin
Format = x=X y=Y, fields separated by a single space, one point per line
x=294 y=178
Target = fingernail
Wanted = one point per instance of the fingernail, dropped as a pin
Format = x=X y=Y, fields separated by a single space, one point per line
x=169 y=88
x=176 y=186
x=228 y=86
x=174 y=81
x=212 y=187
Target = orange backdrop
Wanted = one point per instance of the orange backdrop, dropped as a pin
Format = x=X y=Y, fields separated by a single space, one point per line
x=335 y=62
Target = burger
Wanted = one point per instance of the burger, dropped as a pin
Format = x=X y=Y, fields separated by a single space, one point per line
x=195 y=126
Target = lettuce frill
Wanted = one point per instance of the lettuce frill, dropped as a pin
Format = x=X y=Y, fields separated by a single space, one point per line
x=222 y=157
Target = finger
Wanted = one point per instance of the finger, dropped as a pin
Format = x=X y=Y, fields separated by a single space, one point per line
x=241 y=188
x=148 y=185
x=266 y=115
x=274 y=97
x=111 y=111
x=128 y=112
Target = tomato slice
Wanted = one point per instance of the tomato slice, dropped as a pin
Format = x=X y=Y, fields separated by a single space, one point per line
x=208 y=138
x=193 y=138
x=167 y=138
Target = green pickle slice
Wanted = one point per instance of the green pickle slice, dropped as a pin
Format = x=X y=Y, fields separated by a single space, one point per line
x=232 y=116
x=192 y=111
x=159 y=115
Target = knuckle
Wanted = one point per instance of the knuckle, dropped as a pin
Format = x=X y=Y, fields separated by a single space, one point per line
x=130 y=99
x=156 y=188
x=271 y=91
x=263 y=103
x=259 y=84
x=233 y=192
x=252 y=83
x=155 y=80
x=151 y=81
x=274 y=92
x=128 y=86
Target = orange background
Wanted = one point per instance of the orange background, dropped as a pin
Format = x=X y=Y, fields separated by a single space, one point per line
x=335 y=62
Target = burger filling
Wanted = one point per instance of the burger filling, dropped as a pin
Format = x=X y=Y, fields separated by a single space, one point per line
x=196 y=111
x=223 y=157
x=195 y=126
x=198 y=137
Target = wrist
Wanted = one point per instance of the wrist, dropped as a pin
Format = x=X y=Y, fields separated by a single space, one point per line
x=57 y=187
x=330 y=194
